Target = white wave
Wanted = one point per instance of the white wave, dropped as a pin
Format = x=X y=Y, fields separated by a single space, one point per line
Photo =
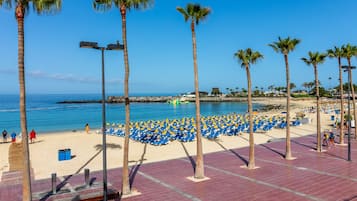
x=9 y=110
x=39 y=108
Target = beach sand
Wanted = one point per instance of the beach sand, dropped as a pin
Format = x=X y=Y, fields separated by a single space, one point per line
x=86 y=148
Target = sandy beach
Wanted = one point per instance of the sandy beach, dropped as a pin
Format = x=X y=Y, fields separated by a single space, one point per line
x=86 y=148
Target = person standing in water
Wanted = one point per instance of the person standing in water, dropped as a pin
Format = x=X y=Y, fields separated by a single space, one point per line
x=4 y=136
x=87 y=128
x=13 y=137
x=32 y=136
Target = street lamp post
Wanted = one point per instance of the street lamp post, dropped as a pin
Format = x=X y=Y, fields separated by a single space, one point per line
x=348 y=69
x=94 y=45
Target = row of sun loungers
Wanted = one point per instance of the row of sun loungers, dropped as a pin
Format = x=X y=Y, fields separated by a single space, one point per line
x=162 y=132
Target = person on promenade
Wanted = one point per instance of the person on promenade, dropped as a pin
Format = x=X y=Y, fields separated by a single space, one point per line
x=326 y=139
x=32 y=135
x=332 y=138
x=87 y=128
x=337 y=123
x=13 y=137
x=4 y=136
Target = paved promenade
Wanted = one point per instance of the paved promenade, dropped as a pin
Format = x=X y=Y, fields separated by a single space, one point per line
x=312 y=176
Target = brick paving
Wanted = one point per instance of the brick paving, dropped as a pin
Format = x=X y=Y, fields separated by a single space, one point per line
x=312 y=176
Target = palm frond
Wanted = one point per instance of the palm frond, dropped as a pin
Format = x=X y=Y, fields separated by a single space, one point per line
x=102 y=5
x=274 y=46
x=136 y=4
x=183 y=12
x=336 y=52
x=256 y=56
x=46 y=6
x=247 y=57
x=314 y=58
x=307 y=61
x=194 y=12
x=285 y=45
x=349 y=51
x=6 y=4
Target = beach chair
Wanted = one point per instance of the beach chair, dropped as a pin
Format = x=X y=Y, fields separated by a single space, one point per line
x=109 y=131
x=296 y=123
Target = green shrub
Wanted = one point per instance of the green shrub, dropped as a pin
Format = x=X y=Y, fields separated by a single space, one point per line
x=301 y=95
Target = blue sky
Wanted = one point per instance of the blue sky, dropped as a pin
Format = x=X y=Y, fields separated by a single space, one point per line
x=160 y=45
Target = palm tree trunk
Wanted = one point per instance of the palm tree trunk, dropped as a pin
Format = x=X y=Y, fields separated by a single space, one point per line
x=26 y=182
x=251 y=164
x=318 y=148
x=288 y=144
x=125 y=171
x=199 y=170
x=353 y=99
x=341 y=102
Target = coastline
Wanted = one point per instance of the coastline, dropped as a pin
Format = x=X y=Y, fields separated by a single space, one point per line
x=164 y=99
x=86 y=148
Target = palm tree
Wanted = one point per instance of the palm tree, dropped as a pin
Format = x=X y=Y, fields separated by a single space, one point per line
x=22 y=7
x=285 y=46
x=348 y=52
x=337 y=52
x=314 y=59
x=306 y=85
x=195 y=13
x=246 y=58
x=123 y=6
x=309 y=86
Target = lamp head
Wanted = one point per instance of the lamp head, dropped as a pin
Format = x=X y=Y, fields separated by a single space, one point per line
x=116 y=46
x=86 y=44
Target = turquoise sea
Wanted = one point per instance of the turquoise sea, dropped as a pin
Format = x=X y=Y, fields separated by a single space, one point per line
x=45 y=115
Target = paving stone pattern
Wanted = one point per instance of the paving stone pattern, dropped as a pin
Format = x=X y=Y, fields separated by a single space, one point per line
x=312 y=176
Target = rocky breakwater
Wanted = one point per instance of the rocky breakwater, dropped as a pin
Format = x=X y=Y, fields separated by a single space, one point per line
x=120 y=99
x=140 y=99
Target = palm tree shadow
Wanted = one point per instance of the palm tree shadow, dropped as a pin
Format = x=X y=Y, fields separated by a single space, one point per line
x=90 y=160
x=58 y=189
x=273 y=150
x=304 y=145
x=109 y=145
x=99 y=149
x=334 y=155
x=193 y=163
x=314 y=148
x=267 y=147
x=136 y=167
x=235 y=153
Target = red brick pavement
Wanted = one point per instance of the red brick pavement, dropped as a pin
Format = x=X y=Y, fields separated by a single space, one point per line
x=312 y=176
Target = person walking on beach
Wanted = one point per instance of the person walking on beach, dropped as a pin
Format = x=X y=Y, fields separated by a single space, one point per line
x=326 y=139
x=4 y=136
x=32 y=135
x=13 y=137
x=332 y=138
x=87 y=128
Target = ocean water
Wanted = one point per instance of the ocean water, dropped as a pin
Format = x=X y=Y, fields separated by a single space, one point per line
x=45 y=115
